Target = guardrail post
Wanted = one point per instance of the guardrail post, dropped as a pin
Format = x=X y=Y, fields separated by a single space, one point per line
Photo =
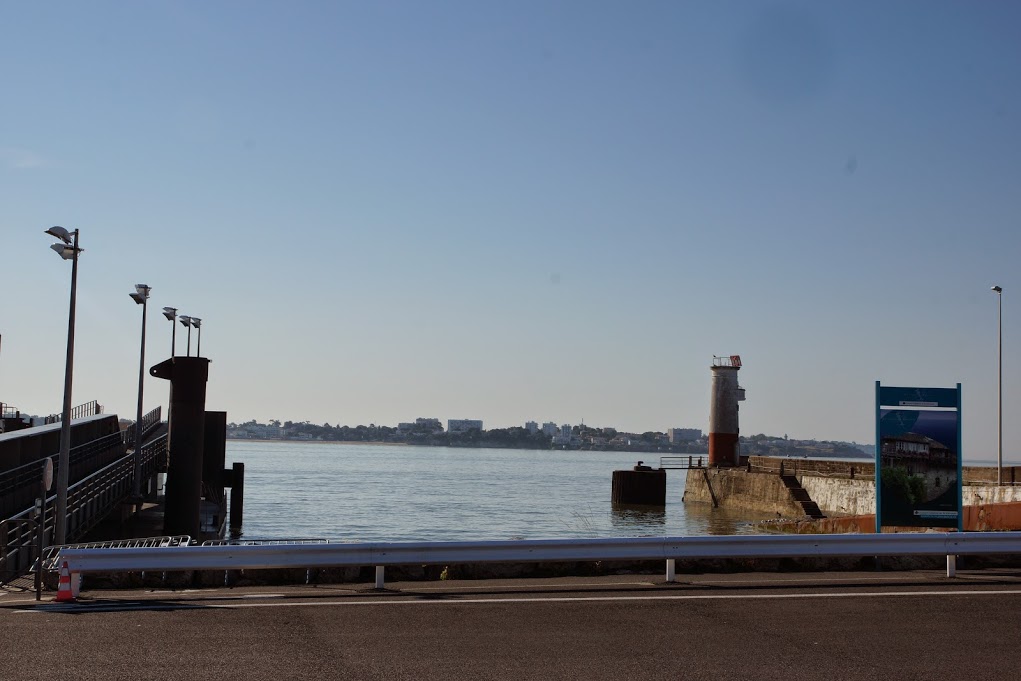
x=379 y=576
x=671 y=570
x=951 y=566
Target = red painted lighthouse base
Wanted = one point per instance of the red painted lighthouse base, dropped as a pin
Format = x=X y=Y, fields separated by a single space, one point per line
x=723 y=449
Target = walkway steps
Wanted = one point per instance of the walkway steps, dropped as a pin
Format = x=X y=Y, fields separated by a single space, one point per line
x=801 y=496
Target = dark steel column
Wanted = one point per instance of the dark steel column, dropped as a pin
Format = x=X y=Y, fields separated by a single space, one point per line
x=237 y=497
x=187 y=376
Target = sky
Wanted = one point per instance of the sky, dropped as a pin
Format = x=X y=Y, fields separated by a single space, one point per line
x=517 y=211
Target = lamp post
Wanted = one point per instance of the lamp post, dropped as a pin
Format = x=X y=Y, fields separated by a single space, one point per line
x=68 y=250
x=140 y=296
x=171 y=314
x=998 y=290
x=197 y=323
x=186 y=320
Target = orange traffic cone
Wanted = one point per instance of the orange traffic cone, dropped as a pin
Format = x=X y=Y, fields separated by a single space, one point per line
x=64 y=593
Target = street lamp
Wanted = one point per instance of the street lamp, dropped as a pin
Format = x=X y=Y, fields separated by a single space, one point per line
x=187 y=322
x=140 y=296
x=999 y=384
x=171 y=314
x=197 y=323
x=68 y=250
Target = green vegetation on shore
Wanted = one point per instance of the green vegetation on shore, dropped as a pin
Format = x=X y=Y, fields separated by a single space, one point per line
x=585 y=438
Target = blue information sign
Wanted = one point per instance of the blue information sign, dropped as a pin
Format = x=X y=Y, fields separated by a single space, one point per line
x=918 y=457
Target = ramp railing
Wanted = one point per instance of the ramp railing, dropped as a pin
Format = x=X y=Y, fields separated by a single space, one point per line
x=89 y=501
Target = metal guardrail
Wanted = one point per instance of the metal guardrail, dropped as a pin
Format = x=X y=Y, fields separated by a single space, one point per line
x=294 y=555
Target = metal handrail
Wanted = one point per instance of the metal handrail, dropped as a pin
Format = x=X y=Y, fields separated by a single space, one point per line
x=681 y=462
x=92 y=408
x=150 y=422
x=261 y=542
x=19 y=547
x=51 y=553
x=28 y=474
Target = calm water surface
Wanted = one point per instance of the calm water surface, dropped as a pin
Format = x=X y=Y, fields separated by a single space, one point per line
x=397 y=493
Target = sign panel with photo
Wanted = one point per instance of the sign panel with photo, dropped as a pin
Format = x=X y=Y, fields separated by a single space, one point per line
x=918 y=459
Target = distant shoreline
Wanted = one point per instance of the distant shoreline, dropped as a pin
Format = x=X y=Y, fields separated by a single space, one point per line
x=321 y=442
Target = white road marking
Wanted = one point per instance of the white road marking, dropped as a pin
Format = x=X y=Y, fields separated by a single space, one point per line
x=531 y=587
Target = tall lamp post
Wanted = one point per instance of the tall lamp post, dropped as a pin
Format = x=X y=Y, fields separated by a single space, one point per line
x=186 y=320
x=68 y=250
x=197 y=323
x=140 y=296
x=171 y=314
x=998 y=290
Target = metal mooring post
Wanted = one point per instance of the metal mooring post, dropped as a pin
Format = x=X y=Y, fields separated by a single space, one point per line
x=951 y=566
x=671 y=571
x=379 y=576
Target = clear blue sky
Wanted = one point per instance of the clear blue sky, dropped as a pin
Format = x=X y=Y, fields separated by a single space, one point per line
x=512 y=211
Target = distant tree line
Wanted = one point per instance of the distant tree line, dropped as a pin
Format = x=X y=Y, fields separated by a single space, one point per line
x=585 y=438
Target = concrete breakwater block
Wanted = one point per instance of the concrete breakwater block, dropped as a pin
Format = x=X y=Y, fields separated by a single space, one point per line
x=640 y=486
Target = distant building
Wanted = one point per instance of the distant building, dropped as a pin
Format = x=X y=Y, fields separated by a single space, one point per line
x=420 y=425
x=532 y=427
x=549 y=429
x=564 y=436
x=463 y=425
x=676 y=435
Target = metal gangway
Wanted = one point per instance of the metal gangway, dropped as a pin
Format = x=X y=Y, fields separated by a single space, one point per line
x=89 y=500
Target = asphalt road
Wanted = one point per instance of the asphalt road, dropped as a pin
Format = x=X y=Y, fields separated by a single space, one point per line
x=916 y=625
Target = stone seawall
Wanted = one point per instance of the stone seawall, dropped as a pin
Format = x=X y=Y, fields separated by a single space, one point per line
x=839 y=488
x=841 y=496
x=739 y=489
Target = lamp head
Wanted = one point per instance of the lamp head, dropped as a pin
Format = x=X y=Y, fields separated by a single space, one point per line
x=64 y=251
x=196 y=322
x=141 y=293
x=60 y=233
x=170 y=313
x=185 y=320
x=997 y=289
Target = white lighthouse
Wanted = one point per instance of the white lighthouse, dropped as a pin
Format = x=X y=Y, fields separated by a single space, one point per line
x=723 y=425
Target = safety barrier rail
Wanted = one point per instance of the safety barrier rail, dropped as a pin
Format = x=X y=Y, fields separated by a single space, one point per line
x=283 y=556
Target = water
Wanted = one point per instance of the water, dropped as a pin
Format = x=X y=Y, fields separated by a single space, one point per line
x=396 y=493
